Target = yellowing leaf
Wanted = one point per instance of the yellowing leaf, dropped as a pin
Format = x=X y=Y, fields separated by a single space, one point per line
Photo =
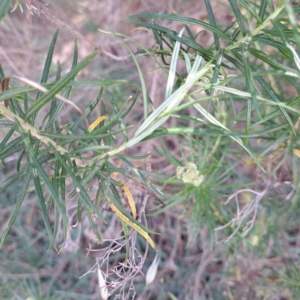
x=130 y=199
x=119 y=163
x=131 y=224
x=141 y=28
x=96 y=123
x=115 y=174
x=297 y=152
x=250 y=160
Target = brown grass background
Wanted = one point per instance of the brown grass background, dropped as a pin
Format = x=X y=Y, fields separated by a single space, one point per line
x=24 y=40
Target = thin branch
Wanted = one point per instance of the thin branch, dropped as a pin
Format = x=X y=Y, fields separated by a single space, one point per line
x=59 y=97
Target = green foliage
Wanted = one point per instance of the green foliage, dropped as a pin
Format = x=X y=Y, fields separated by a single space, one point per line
x=80 y=169
x=232 y=111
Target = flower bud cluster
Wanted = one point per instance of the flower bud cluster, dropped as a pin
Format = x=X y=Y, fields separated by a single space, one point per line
x=189 y=174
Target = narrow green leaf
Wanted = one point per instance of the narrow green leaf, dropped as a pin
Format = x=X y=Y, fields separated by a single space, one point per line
x=12 y=106
x=207 y=54
x=91 y=221
x=157 y=117
x=294 y=21
x=48 y=62
x=62 y=186
x=20 y=160
x=188 y=64
x=270 y=61
x=238 y=16
x=53 y=113
x=18 y=204
x=6 y=138
x=58 y=86
x=13 y=147
x=251 y=11
x=280 y=31
x=167 y=154
x=17 y=108
x=140 y=175
x=124 y=111
x=183 y=20
x=55 y=180
x=79 y=210
x=41 y=173
x=262 y=9
x=15 y=92
x=188 y=30
x=67 y=90
x=115 y=194
x=217 y=69
x=80 y=189
x=96 y=82
x=273 y=95
x=141 y=76
x=56 y=222
x=96 y=149
x=25 y=89
x=6 y=123
x=126 y=235
x=212 y=22
x=115 y=105
x=267 y=40
x=33 y=152
x=25 y=101
x=4 y=6
x=172 y=69
x=275 y=144
x=13 y=179
x=214 y=132
x=17 y=176
x=87 y=112
x=86 y=179
x=40 y=195
x=46 y=70
x=1 y=73
x=86 y=136
x=275 y=113
x=75 y=54
x=235 y=62
x=249 y=83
